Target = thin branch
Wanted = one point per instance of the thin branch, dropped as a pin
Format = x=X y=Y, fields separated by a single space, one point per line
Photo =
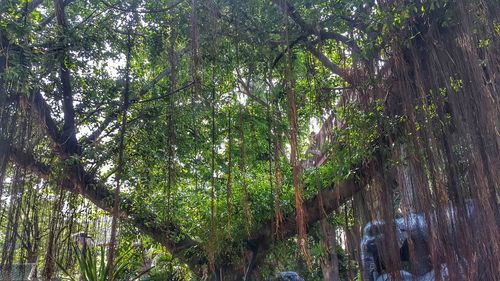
x=343 y=73
x=308 y=29
x=187 y=86
x=289 y=46
x=112 y=116
x=142 y=11
x=152 y=83
x=290 y=10
x=340 y=38
x=97 y=133
x=246 y=90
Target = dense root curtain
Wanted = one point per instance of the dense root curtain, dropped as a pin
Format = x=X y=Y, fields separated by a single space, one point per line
x=445 y=80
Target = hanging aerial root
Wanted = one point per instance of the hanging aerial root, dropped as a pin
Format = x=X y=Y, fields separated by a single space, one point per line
x=278 y=215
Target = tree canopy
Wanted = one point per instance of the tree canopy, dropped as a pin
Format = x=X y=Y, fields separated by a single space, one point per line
x=236 y=139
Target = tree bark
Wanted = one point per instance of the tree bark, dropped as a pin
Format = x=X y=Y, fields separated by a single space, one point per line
x=330 y=261
x=84 y=184
x=11 y=235
x=69 y=127
x=49 y=266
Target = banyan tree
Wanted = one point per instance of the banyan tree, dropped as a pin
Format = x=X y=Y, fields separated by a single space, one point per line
x=342 y=139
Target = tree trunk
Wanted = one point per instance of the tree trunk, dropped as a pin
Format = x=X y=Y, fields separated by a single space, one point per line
x=10 y=242
x=330 y=261
x=49 y=267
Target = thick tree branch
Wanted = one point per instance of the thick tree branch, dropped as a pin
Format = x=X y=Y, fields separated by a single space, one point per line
x=69 y=127
x=343 y=73
x=82 y=183
x=331 y=198
x=290 y=10
x=308 y=29
x=23 y=159
x=76 y=180
x=51 y=17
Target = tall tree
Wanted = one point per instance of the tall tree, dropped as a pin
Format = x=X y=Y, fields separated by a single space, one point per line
x=408 y=92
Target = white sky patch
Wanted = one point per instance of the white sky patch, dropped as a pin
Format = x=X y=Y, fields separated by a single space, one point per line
x=242 y=98
x=7 y=180
x=222 y=146
x=288 y=149
x=114 y=65
x=218 y=174
x=83 y=131
x=314 y=125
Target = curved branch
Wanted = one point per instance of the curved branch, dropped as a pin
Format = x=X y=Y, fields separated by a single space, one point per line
x=331 y=198
x=290 y=10
x=308 y=29
x=77 y=181
x=343 y=73
x=142 y=11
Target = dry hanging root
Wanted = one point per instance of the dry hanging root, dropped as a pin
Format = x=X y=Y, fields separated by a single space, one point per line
x=300 y=218
x=213 y=216
x=121 y=147
x=296 y=168
x=171 y=124
x=246 y=204
x=229 y=194
x=278 y=216
x=447 y=92
x=274 y=155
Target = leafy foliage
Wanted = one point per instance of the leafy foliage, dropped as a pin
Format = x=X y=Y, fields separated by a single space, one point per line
x=211 y=82
x=92 y=265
